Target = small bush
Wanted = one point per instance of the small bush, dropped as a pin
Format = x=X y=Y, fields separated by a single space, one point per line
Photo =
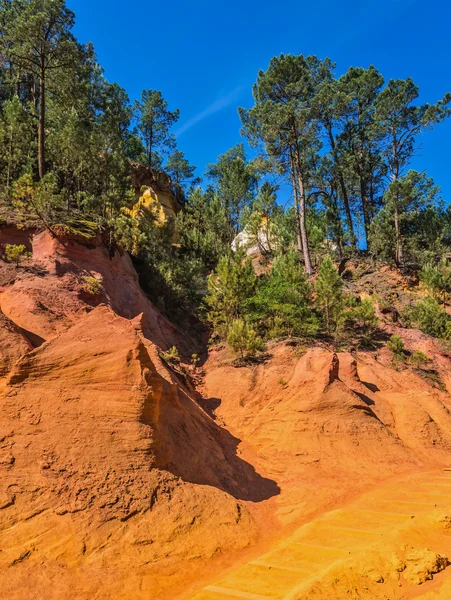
x=365 y=315
x=431 y=318
x=396 y=346
x=16 y=253
x=91 y=286
x=243 y=340
x=419 y=359
x=172 y=355
x=195 y=360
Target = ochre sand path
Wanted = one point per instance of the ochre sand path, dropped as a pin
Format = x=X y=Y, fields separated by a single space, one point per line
x=336 y=538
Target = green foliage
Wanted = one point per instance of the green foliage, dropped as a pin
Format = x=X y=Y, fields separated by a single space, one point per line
x=181 y=172
x=175 y=280
x=267 y=226
x=363 y=315
x=91 y=285
x=419 y=359
x=204 y=228
x=36 y=201
x=437 y=280
x=283 y=301
x=235 y=180
x=16 y=253
x=171 y=356
x=78 y=227
x=154 y=123
x=229 y=289
x=412 y=204
x=396 y=345
x=329 y=296
x=243 y=340
x=431 y=318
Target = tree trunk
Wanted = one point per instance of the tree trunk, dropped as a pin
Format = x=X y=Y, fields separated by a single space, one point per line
x=344 y=191
x=365 y=208
x=41 y=125
x=305 y=248
x=399 y=257
x=302 y=210
x=296 y=207
x=337 y=222
x=9 y=168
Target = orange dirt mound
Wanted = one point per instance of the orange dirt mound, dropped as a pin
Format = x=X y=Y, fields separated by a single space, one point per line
x=13 y=344
x=108 y=466
x=49 y=297
x=325 y=426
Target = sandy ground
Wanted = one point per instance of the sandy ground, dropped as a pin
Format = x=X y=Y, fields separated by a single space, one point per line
x=384 y=544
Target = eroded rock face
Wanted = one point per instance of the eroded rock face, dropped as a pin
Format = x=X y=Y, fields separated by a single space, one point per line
x=48 y=299
x=104 y=455
x=13 y=344
x=324 y=426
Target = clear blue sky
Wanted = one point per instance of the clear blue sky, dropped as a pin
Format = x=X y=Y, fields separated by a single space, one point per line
x=204 y=56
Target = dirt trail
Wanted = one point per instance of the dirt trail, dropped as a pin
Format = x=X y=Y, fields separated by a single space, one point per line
x=363 y=545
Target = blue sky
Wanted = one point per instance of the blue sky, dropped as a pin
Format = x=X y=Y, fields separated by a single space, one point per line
x=204 y=56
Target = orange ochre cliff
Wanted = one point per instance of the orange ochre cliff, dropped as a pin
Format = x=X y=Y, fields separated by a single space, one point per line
x=308 y=475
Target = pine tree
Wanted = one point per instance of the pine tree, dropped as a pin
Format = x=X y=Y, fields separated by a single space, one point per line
x=181 y=172
x=204 y=228
x=329 y=295
x=410 y=202
x=399 y=122
x=154 y=123
x=358 y=143
x=243 y=339
x=284 y=120
x=283 y=300
x=235 y=180
x=36 y=40
x=431 y=318
x=229 y=288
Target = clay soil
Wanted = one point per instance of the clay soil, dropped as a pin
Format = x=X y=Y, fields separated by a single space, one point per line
x=310 y=475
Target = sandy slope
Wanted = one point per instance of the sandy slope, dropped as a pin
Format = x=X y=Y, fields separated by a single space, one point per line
x=383 y=545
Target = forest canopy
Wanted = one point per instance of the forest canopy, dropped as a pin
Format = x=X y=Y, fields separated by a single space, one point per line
x=342 y=144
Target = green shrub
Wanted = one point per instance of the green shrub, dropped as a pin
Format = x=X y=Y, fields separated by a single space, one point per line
x=431 y=318
x=91 y=286
x=16 y=253
x=243 y=340
x=396 y=346
x=419 y=359
x=437 y=280
x=329 y=296
x=229 y=288
x=364 y=317
x=282 y=304
x=172 y=355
